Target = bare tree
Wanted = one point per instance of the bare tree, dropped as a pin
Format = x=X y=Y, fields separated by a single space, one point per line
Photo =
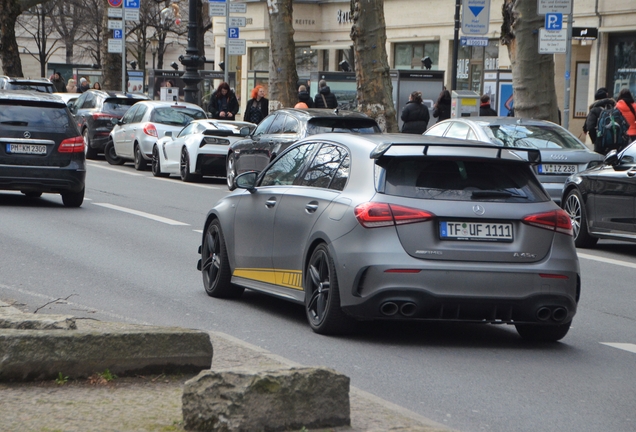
x=375 y=90
x=35 y=23
x=10 y=10
x=67 y=17
x=283 y=77
x=532 y=73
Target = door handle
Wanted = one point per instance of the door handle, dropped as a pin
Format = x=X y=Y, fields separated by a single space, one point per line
x=270 y=203
x=311 y=207
x=631 y=173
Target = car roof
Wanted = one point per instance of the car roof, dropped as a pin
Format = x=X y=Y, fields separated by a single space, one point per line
x=29 y=95
x=159 y=104
x=237 y=123
x=23 y=79
x=485 y=121
x=309 y=113
x=118 y=94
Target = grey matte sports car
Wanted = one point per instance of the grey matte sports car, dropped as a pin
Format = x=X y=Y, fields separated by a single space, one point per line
x=395 y=226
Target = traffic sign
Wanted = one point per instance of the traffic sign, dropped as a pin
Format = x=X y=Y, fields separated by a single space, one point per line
x=216 y=7
x=118 y=34
x=554 y=6
x=233 y=32
x=236 y=47
x=115 y=25
x=132 y=4
x=554 y=21
x=131 y=14
x=238 y=21
x=115 y=12
x=115 y=3
x=238 y=7
x=115 y=45
x=475 y=17
x=553 y=41
x=473 y=41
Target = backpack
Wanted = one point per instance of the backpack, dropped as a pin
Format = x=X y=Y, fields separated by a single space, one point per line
x=611 y=130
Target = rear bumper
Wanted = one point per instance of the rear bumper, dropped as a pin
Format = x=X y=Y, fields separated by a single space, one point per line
x=70 y=178
x=211 y=165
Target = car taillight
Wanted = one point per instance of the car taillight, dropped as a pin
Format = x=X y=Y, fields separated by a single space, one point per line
x=150 y=129
x=557 y=220
x=72 y=145
x=375 y=215
x=102 y=116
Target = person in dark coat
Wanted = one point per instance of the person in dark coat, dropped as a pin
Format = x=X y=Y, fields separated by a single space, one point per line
x=305 y=97
x=257 y=108
x=415 y=115
x=58 y=83
x=84 y=85
x=324 y=98
x=442 y=108
x=601 y=102
x=223 y=103
x=484 y=108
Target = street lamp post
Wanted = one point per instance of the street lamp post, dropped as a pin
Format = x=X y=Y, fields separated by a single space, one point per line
x=154 y=45
x=191 y=60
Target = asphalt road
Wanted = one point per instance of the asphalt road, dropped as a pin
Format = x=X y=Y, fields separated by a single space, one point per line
x=130 y=252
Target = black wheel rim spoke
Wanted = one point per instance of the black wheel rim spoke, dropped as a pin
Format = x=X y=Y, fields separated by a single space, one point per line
x=212 y=261
x=319 y=285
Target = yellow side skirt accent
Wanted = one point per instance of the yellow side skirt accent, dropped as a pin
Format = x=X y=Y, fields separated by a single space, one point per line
x=286 y=278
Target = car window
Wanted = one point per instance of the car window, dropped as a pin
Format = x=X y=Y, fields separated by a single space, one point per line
x=287 y=168
x=130 y=114
x=629 y=155
x=459 y=179
x=458 y=130
x=188 y=129
x=277 y=126
x=141 y=112
x=535 y=136
x=264 y=125
x=90 y=101
x=118 y=105
x=35 y=116
x=42 y=88
x=437 y=130
x=329 y=169
x=175 y=116
x=342 y=124
x=80 y=101
x=292 y=126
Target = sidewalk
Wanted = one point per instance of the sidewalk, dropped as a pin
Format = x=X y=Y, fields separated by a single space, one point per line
x=153 y=403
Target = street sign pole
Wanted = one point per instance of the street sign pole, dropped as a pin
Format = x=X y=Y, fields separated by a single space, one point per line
x=123 y=48
x=568 y=60
x=227 y=42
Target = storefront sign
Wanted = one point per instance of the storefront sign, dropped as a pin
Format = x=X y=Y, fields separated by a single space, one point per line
x=344 y=17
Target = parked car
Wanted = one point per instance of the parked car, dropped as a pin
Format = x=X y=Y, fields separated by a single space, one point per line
x=42 y=85
x=284 y=127
x=94 y=111
x=68 y=98
x=41 y=148
x=562 y=153
x=135 y=135
x=198 y=149
x=397 y=226
x=601 y=201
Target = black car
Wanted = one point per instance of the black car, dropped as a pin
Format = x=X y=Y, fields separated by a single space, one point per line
x=284 y=127
x=42 y=85
x=601 y=201
x=41 y=149
x=94 y=111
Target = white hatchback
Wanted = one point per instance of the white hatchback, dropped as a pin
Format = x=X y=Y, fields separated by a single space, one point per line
x=135 y=135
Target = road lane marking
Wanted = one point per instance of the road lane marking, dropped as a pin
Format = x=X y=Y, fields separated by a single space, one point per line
x=114 y=169
x=187 y=183
x=198 y=231
x=142 y=214
x=607 y=260
x=624 y=346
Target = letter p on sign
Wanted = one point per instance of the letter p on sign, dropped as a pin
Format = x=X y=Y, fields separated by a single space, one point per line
x=554 y=21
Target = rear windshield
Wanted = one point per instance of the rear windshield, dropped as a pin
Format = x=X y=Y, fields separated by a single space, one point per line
x=539 y=137
x=42 y=88
x=342 y=124
x=119 y=105
x=176 y=116
x=40 y=116
x=459 y=180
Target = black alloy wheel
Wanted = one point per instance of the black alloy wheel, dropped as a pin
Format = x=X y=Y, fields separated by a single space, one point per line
x=156 y=164
x=91 y=153
x=575 y=208
x=184 y=168
x=140 y=163
x=111 y=155
x=215 y=265
x=230 y=171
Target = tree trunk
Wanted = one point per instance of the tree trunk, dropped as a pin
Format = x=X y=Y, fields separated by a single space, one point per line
x=9 y=52
x=283 y=78
x=532 y=73
x=111 y=62
x=375 y=91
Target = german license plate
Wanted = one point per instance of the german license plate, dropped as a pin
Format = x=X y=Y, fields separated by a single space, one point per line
x=36 y=149
x=475 y=231
x=557 y=169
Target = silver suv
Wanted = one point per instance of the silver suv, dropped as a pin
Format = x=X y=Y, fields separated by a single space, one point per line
x=42 y=85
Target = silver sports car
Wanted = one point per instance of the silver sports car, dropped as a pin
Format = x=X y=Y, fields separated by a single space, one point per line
x=395 y=226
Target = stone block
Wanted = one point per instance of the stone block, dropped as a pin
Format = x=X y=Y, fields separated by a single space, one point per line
x=275 y=400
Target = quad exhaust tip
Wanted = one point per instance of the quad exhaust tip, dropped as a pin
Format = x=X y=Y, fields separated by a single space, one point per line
x=408 y=309
x=391 y=308
x=557 y=314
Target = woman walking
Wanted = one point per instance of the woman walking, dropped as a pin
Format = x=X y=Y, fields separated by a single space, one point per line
x=415 y=115
x=257 y=108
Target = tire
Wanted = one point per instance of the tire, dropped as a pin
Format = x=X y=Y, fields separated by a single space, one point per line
x=91 y=153
x=322 y=295
x=111 y=155
x=32 y=194
x=184 y=168
x=542 y=332
x=575 y=208
x=140 y=163
x=215 y=266
x=156 y=165
x=230 y=171
x=73 y=199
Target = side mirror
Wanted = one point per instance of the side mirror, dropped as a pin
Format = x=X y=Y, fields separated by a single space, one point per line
x=245 y=131
x=611 y=158
x=168 y=134
x=246 y=180
x=115 y=121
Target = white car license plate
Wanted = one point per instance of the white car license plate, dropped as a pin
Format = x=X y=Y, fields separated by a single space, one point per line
x=36 y=149
x=475 y=231
x=557 y=169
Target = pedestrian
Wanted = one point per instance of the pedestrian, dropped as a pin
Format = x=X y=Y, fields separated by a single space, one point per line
x=223 y=103
x=71 y=87
x=625 y=103
x=304 y=96
x=97 y=86
x=58 y=83
x=601 y=101
x=84 y=85
x=257 y=108
x=415 y=115
x=484 y=108
x=324 y=98
x=442 y=108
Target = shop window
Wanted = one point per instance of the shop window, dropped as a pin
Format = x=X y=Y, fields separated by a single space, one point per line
x=621 y=63
x=410 y=55
x=259 y=59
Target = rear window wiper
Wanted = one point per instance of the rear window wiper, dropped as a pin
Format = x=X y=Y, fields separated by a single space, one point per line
x=496 y=194
x=15 y=123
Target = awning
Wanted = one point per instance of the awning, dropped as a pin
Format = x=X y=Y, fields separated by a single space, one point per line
x=331 y=45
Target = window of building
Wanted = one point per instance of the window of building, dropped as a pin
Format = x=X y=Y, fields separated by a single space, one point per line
x=410 y=55
x=259 y=58
x=621 y=62
x=306 y=61
x=471 y=63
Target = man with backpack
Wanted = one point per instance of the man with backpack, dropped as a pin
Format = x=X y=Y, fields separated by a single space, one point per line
x=602 y=101
x=611 y=126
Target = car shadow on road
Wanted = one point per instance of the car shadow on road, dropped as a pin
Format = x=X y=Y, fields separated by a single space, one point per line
x=16 y=199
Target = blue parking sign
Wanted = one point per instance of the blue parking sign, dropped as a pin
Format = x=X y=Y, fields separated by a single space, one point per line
x=131 y=4
x=118 y=34
x=233 y=33
x=554 y=21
